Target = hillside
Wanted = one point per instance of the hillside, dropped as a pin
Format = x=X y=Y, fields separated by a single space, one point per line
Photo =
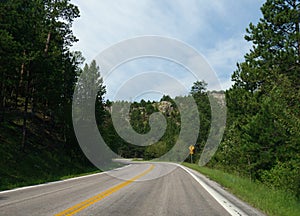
x=44 y=159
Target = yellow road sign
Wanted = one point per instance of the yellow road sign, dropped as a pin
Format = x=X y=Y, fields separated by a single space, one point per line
x=191 y=148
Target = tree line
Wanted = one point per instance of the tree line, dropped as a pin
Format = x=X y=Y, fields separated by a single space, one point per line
x=139 y=115
x=38 y=71
x=38 y=74
x=262 y=138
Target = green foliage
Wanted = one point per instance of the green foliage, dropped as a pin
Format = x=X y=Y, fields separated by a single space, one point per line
x=45 y=158
x=262 y=138
x=139 y=120
x=275 y=202
x=199 y=88
x=155 y=151
x=283 y=175
x=38 y=73
x=199 y=93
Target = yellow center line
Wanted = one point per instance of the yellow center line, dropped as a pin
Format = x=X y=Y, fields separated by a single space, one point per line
x=86 y=203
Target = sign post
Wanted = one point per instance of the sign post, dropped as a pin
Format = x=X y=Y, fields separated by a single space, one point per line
x=191 y=148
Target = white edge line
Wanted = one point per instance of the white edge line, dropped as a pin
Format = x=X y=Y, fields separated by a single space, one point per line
x=59 y=181
x=227 y=205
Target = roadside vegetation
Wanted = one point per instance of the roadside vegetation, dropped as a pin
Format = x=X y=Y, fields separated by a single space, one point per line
x=262 y=135
x=38 y=74
x=272 y=201
x=44 y=159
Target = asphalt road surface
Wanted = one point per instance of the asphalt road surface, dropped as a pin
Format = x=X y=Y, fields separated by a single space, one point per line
x=136 y=189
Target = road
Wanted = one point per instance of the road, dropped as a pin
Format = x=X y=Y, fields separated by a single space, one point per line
x=136 y=189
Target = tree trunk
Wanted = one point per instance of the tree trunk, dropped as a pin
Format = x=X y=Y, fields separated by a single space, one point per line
x=19 y=84
x=2 y=99
x=249 y=167
x=17 y=95
x=297 y=27
x=25 y=115
x=47 y=44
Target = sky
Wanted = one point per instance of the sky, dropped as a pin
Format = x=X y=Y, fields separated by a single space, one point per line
x=215 y=29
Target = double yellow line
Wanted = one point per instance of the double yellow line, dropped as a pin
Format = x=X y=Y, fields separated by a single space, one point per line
x=82 y=205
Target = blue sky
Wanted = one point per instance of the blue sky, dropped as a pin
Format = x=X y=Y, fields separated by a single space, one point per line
x=215 y=28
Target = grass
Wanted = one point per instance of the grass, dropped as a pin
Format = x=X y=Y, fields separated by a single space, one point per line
x=271 y=201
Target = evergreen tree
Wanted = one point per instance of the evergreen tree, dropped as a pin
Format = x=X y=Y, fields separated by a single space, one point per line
x=264 y=114
x=38 y=71
x=200 y=94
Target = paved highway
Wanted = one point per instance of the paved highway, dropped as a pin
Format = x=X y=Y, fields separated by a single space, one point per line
x=136 y=189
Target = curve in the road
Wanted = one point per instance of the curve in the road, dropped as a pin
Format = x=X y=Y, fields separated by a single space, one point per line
x=86 y=203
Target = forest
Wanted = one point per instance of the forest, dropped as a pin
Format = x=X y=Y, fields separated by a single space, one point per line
x=38 y=74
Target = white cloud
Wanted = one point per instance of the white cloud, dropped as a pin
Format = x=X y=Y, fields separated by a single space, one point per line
x=224 y=57
x=215 y=28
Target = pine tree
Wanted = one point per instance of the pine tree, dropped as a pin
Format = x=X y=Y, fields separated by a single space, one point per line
x=263 y=103
x=38 y=71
